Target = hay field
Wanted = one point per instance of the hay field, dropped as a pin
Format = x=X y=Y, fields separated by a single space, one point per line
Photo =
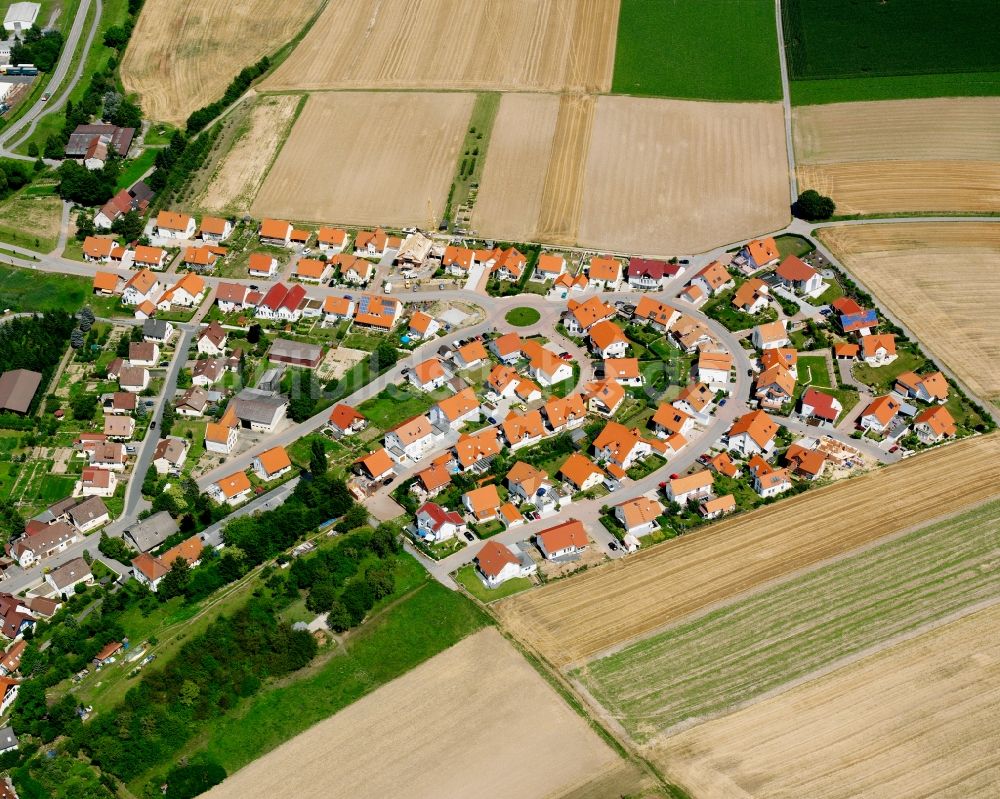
x=618 y=602
x=942 y=281
x=183 y=53
x=918 y=719
x=747 y=648
x=368 y=158
x=657 y=177
x=507 y=45
x=940 y=154
x=510 y=192
x=238 y=176
x=475 y=720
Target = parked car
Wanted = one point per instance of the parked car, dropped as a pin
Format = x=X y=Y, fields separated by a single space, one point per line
x=491 y=420
x=722 y=402
x=894 y=448
x=152 y=425
x=566 y=356
x=675 y=476
x=612 y=546
x=469 y=536
x=387 y=480
x=663 y=484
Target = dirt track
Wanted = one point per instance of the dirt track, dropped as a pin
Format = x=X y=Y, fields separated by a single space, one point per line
x=368 y=158
x=476 y=720
x=918 y=719
x=941 y=280
x=626 y=599
x=510 y=45
x=183 y=53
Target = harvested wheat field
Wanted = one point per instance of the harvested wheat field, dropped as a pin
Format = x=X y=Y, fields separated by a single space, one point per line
x=475 y=720
x=918 y=719
x=942 y=280
x=238 y=176
x=507 y=45
x=902 y=155
x=184 y=53
x=510 y=192
x=368 y=158
x=613 y=604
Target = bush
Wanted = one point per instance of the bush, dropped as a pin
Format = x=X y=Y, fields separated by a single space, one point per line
x=813 y=206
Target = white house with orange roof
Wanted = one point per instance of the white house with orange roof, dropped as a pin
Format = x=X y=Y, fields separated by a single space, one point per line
x=523 y=429
x=756 y=255
x=470 y=355
x=456 y=410
x=621 y=446
x=509 y=265
x=482 y=503
x=579 y=317
x=607 y=340
x=428 y=375
x=934 y=424
x=215 y=228
x=423 y=326
x=413 y=439
x=798 y=276
x=931 y=387
x=142 y=287
x=581 y=472
x=497 y=563
x=656 y=314
x=548 y=267
x=564 y=539
x=547 y=368
x=565 y=413
x=276 y=232
x=187 y=292
x=458 y=261
x=173 y=225
x=337 y=308
x=697 y=401
x=752 y=433
x=272 y=464
x=503 y=381
x=713 y=279
x=878 y=350
x=149 y=257
x=603 y=396
x=770 y=336
x=690 y=486
x=507 y=348
x=605 y=273
x=371 y=243
x=714 y=368
x=331 y=239
x=639 y=516
x=624 y=371
x=880 y=414
x=312 y=270
x=231 y=490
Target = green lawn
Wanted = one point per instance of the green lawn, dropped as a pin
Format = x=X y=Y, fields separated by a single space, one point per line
x=784 y=633
x=698 y=49
x=31 y=220
x=30 y=290
x=466 y=576
x=721 y=309
x=882 y=378
x=791 y=244
x=426 y=622
x=395 y=404
x=522 y=317
x=136 y=168
x=869 y=50
x=813 y=370
x=55 y=487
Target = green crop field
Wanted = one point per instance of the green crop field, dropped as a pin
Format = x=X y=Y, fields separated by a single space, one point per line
x=759 y=644
x=876 y=50
x=725 y=50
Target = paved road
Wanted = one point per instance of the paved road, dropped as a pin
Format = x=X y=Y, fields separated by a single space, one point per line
x=9 y=138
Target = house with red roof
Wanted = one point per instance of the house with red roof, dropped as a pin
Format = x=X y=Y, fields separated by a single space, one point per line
x=797 y=275
x=435 y=523
x=564 y=539
x=497 y=563
x=819 y=408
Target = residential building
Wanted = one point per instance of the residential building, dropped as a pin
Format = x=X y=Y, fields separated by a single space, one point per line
x=95 y=482
x=670 y=420
x=231 y=490
x=221 y=436
x=862 y=322
x=507 y=348
x=296 y=353
x=714 y=368
x=565 y=413
x=770 y=336
x=413 y=439
x=174 y=225
x=621 y=446
x=141 y=287
x=690 y=487
x=624 y=371
x=581 y=316
x=605 y=273
x=157 y=330
x=118 y=402
x=819 y=408
x=65 y=579
x=377 y=311
x=581 y=473
x=332 y=239
x=435 y=523
x=428 y=375
x=346 y=421
x=373 y=243
x=133 y=378
x=497 y=563
x=604 y=397
x=434 y=479
x=713 y=278
x=149 y=257
x=753 y=433
x=607 y=340
x=201 y=259
x=509 y=265
x=526 y=481
x=715 y=507
x=105 y=283
x=477 y=450
x=548 y=267
x=878 y=350
x=803 y=462
x=798 y=276
x=656 y=314
x=756 y=255
x=134 y=199
x=697 y=401
x=752 y=296
x=645 y=273
x=545 y=367
x=377 y=465
x=170 y=454
x=212 y=340
x=934 y=424
x=272 y=464
x=880 y=414
x=98 y=249
x=262 y=264
x=309 y=270
x=774 y=387
x=456 y=410
x=768 y=481
x=567 y=538
x=17 y=390
x=337 y=308
x=276 y=232
x=639 y=516
x=482 y=503
x=522 y=430
x=214 y=228
x=458 y=261
x=470 y=355
x=119 y=428
x=143 y=353
x=932 y=387
x=786 y=357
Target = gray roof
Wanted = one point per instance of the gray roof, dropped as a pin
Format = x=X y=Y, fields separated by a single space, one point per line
x=7 y=739
x=283 y=348
x=86 y=511
x=17 y=389
x=151 y=532
x=155 y=328
x=258 y=406
x=69 y=573
x=82 y=137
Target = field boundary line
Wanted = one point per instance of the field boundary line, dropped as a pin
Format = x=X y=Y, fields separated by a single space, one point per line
x=735 y=598
x=786 y=104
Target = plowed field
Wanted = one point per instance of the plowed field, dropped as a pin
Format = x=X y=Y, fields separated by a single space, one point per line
x=368 y=158
x=610 y=605
x=183 y=53
x=512 y=45
x=942 y=281
x=918 y=719
x=478 y=705
x=902 y=155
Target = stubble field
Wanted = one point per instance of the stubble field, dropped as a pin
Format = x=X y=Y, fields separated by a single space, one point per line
x=902 y=155
x=239 y=175
x=748 y=648
x=368 y=158
x=475 y=720
x=918 y=719
x=183 y=53
x=625 y=174
x=941 y=281
x=506 y=45
x=617 y=603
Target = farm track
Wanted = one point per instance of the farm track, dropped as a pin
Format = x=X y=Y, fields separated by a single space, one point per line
x=917 y=719
x=748 y=648
x=931 y=276
x=619 y=602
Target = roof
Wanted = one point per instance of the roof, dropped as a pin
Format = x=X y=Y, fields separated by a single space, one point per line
x=98 y=478
x=691 y=482
x=846 y=350
x=274 y=460
x=234 y=484
x=118 y=425
x=670 y=418
x=807 y=461
x=847 y=306
x=560 y=411
x=715 y=275
x=189 y=549
x=501 y=376
x=590 y=311
x=275 y=229
x=428 y=370
x=132 y=375
x=652 y=310
x=376 y=310
x=472 y=448
x=777 y=376
x=771 y=331
x=458 y=256
x=696 y=395
x=549 y=263
x=421 y=322
x=172 y=220
x=935 y=383
x=824 y=405
x=648 y=267
x=434 y=476
x=762 y=250
x=794 y=269
x=148 y=255
x=723 y=504
x=377 y=463
x=105 y=281
x=331 y=235
x=621 y=368
x=938 y=419
x=438 y=515
x=142 y=281
x=858 y=321
x=617 y=438
x=214 y=332
x=261 y=262
x=98 y=246
x=230 y=292
x=578 y=468
x=108 y=650
x=11 y=661
x=170 y=449
x=415 y=429
x=640 y=510
x=511 y=260
x=493 y=557
x=83 y=138
x=568 y=534
x=199 y=256
x=343 y=416
x=748 y=293
x=213 y=225
x=17 y=389
x=507 y=344
x=310 y=268
x=472 y=352
x=340 y=306
x=721 y=361
x=870 y=345
x=71 y=572
x=482 y=499
x=608 y=392
x=605 y=268
x=519 y=427
x=88 y=510
x=779 y=356
x=458 y=405
x=142 y=350
x=757 y=425
x=604 y=334
x=377 y=238
x=295 y=350
x=884 y=409
x=527 y=476
x=152 y=568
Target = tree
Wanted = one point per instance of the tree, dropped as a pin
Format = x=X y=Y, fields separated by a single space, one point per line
x=129 y=225
x=87 y=318
x=76 y=338
x=338 y=618
x=385 y=356
x=116 y=549
x=11 y=520
x=317 y=457
x=387 y=540
x=53 y=147
x=186 y=782
x=254 y=333
x=84 y=406
x=175 y=581
x=33 y=150
x=813 y=206
x=167 y=422
x=84 y=225
x=356 y=516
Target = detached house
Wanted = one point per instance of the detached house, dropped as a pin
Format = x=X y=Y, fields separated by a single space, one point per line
x=98 y=249
x=172 y=225
x=157 y=330
x=143 y=353
x=774 y=387
x=770 y=336
x=353 y=270
x=880 y=414
x=412 y=439
x=713 y=279
x=656 y=314
x=346 y=421
x=564 y=539
x=545 y=367
x=581 y=316
x=212 y=340
x=639 y=516
x=548 y=267
x=133 y=378
x=458 y=261
x=276 y=232
x=435 y=523
x=457 y=410
x=170 y=454
x=187 y=292
x=581 y=473
x=423 y=326
x=214 y=228
x=819 y=408
x=756 y=255
x=150 y=257
x=668 y=421
x=478 y=449
x=645 y=273
x=621 y=446
x=752 y=433
x=507 y=348
x=509 y=265
x=522 y=430
x=309 y=270
x=927 y=388
x=372 y=243
x=230 y=296
x=482 y=503
x=143 y=286
x=878 y=350
x=605 y=273
x=751 y=297
x=768 y=481
x=272 y=464
x=497 y=563
x=714 y=368
x=428 y=375
x=565 y=414
x=337 y=308
x=604 y=397
x=470 y=355
x=624 y=371
x=798 y=276
x=331 y=239
x=934 y=424
x=692 y=486
x=221 y=436
x=608 y=341
x=262 y=264
x=697 y=401
x=231 y=490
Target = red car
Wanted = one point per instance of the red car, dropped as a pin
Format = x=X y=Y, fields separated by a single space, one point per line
x=663 y=484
